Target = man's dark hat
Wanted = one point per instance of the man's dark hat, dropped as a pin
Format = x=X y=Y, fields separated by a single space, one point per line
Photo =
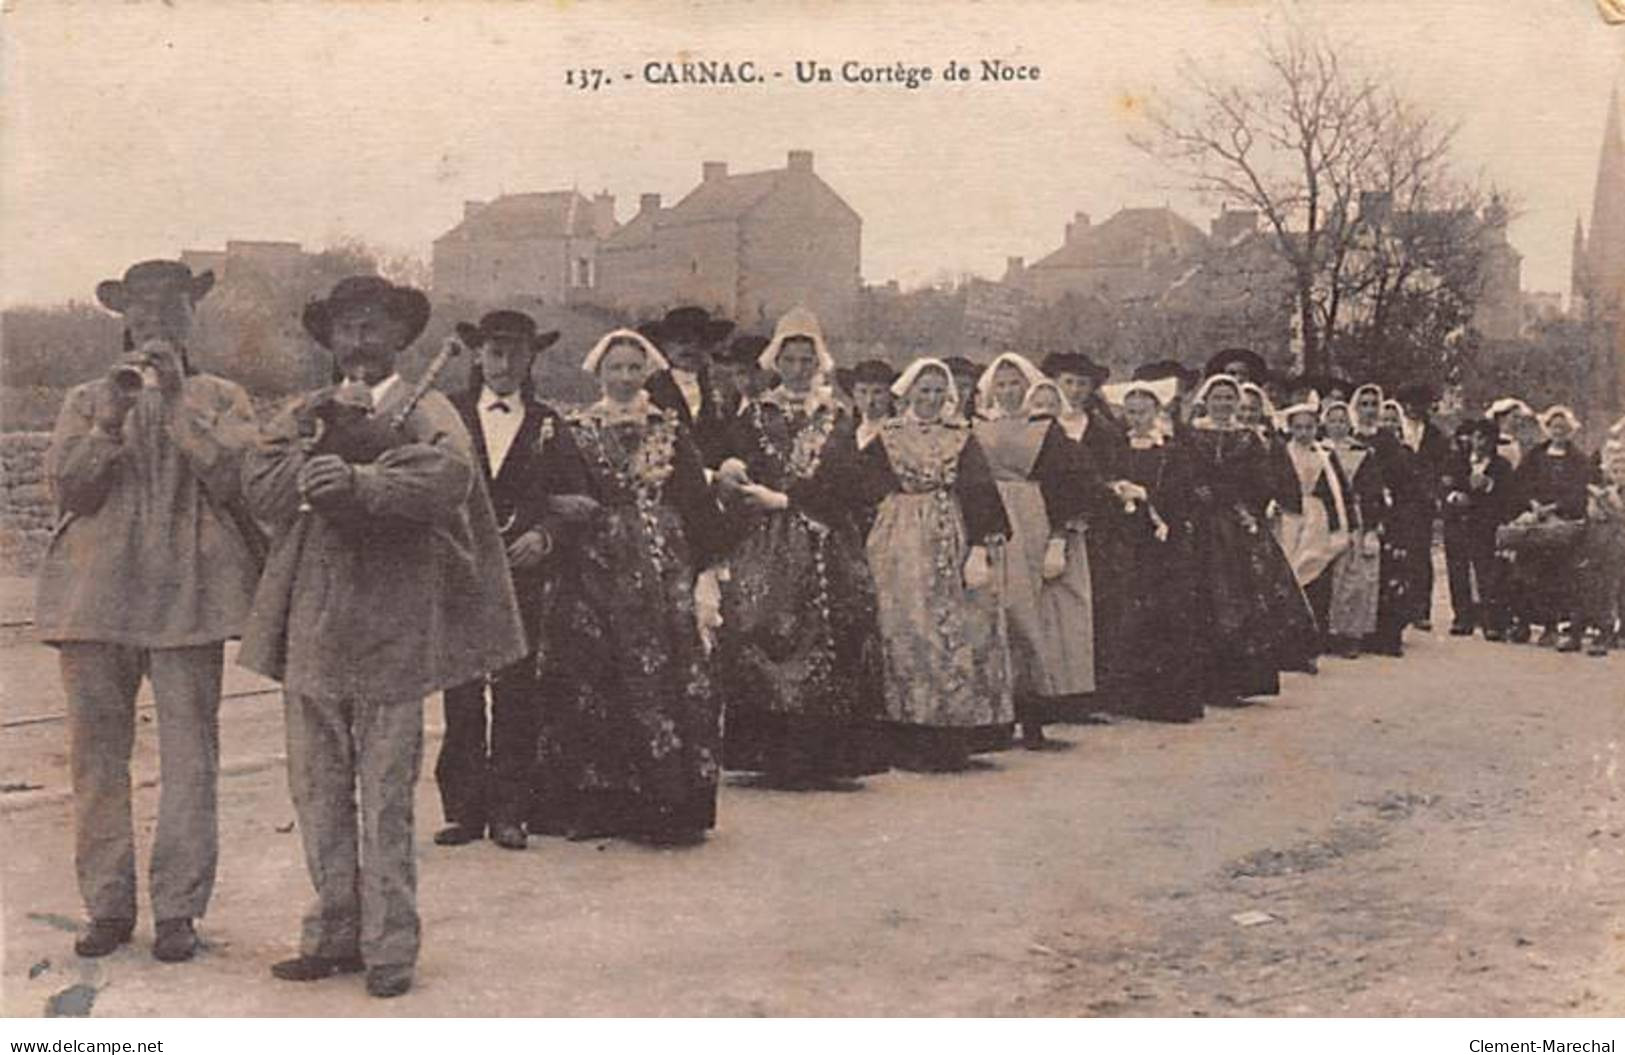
x=114 y=293
x=688 y=324
x=1416 y=393
x=1057 y=363
x=1158 y=369
x=743 y=350
x=958 y=364
x=1255 y=363
x=869 y=371
x=505 y=323
x=403 y=302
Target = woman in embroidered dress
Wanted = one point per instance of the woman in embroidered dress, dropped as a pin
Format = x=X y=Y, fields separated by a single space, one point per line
x=1248 y=600
x=630 y=728
x=1313 y=530
x=798 y=656
x=1146 y=539
x=1357 y=572
x=937 y=514
x=1044 y=486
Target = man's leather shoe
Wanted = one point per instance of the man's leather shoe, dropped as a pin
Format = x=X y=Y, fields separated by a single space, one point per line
x=459 y=834
x=384 y=982
x=315 y=968
x=509 y=836
x=1461 y=630
x=174 y=941
x=102 y=936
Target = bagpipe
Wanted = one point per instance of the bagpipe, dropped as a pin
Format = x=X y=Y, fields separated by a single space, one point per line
x=339 y=419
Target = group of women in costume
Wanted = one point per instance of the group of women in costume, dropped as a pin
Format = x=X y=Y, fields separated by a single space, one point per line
x=906 y=573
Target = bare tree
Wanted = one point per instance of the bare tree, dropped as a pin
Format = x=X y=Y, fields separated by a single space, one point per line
x=1340 y=168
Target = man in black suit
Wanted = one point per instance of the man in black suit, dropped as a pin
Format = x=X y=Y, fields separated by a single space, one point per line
x=1474 y=492
x=484 y=769
x=686 y=337
x=1433 y=452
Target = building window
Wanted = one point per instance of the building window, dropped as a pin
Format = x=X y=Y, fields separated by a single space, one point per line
x=583 y=276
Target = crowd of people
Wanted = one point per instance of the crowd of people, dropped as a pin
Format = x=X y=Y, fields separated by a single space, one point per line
x=740 y=557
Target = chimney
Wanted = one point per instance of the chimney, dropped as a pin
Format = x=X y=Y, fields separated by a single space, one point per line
x=648 y=203
x=1079 y=224
x=603 y=214
x=800 y=161
x=713 y=170
x=472 y=209
x=1014 y=267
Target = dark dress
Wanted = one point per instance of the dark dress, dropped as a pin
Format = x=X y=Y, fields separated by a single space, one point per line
x=1101 y=446
x=1154 y=607
x=1401 y=517
x=1255 y=620
x=1557 y=477
x=798 y=656
x=630 y=737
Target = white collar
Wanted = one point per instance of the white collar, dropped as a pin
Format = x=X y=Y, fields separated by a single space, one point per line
x=607 y=411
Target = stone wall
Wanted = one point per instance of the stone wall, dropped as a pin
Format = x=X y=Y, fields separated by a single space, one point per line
x=25 y=505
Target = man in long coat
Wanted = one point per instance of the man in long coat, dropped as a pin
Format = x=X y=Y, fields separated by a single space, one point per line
x=151 y=568
x=385 y=583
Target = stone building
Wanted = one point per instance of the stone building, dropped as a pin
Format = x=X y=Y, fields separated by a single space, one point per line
x=748 y=245
x=531 y=246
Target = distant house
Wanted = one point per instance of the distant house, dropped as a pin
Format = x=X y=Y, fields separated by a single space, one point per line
x=541 y=245
x=1132 y=256
x=750 y=246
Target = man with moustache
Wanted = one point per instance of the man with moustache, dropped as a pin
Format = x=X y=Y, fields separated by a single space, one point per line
x=386 y=582
x=151 y=568
x=484 y=770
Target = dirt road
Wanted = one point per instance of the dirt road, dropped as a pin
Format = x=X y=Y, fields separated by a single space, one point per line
x=1441 y=835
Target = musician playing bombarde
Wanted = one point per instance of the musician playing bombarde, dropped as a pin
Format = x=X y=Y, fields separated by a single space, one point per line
x=148 y=573
x=484 y=769
x=390 y=587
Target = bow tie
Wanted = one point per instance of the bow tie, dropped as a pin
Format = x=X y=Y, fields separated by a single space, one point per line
x=498 y=405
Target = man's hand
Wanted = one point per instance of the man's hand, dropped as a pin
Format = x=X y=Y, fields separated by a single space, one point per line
x=165 y=361
x=110 y=406
x=529 y=549
x=326 y=480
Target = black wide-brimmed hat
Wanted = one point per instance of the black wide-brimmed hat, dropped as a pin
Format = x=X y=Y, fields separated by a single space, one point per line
x=959 y=364
x=1158 y=369
x=150 y=276
x=1220 y=363
x=504 y=323
x=743 y=350
x=688 y=324
x=1057 y=363
x=408 y=305
x=868 y=371
x=1416 y=394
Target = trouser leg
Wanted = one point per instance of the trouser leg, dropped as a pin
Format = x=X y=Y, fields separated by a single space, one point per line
x=1490 y=573
x=514 y=711
x=389 y=751
x=321 y=779
x=1458 y=565
x=461 y=771
x=100 y=681
x=185 y=850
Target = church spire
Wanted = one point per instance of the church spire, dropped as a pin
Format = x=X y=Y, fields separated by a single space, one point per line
x=1605 y=247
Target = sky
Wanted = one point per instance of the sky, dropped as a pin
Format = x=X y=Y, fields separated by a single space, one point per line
x=140 y=129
